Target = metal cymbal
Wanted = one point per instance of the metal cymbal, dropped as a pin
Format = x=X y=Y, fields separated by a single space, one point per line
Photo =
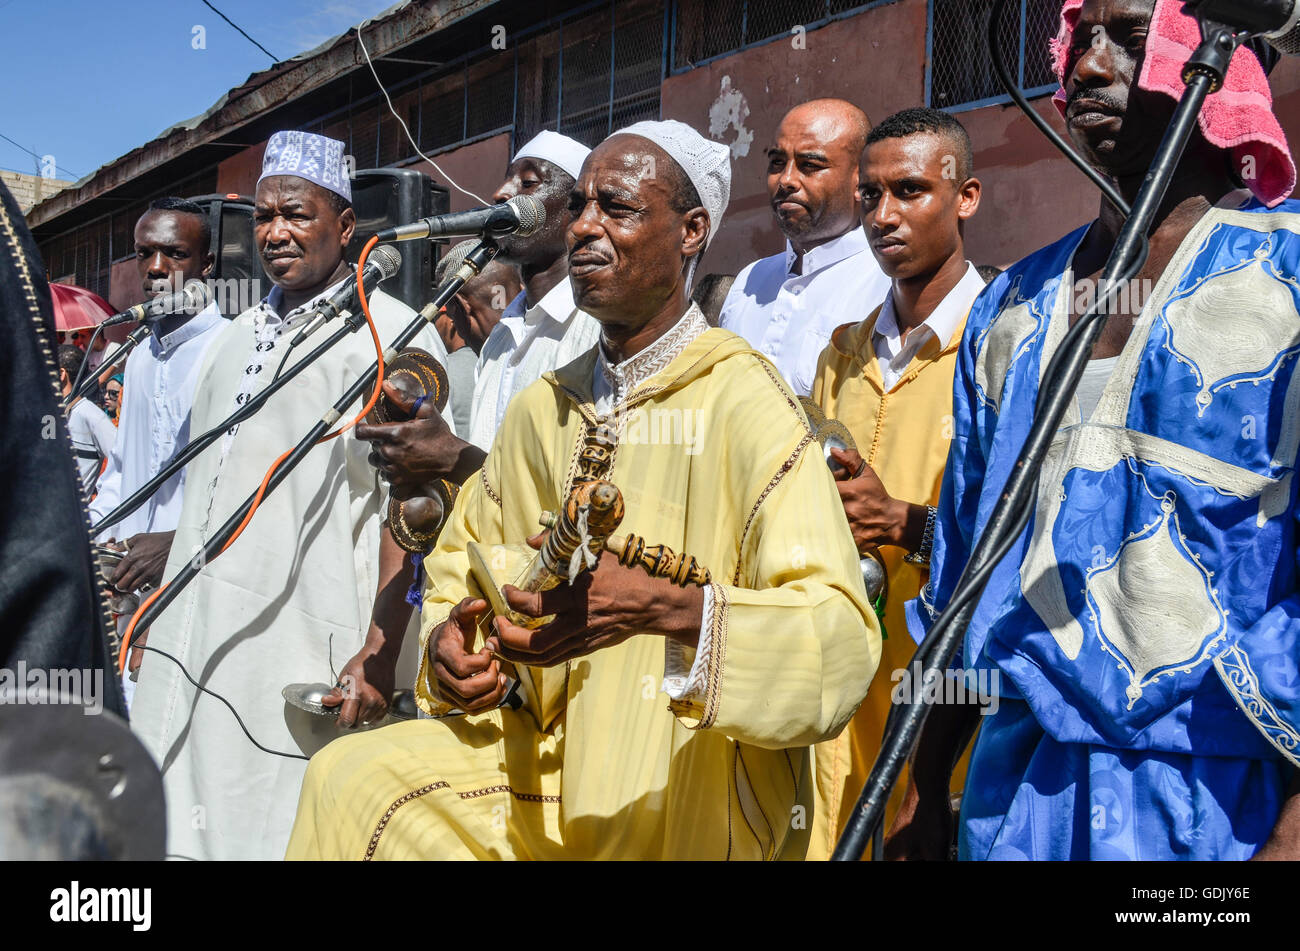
x=308 y=697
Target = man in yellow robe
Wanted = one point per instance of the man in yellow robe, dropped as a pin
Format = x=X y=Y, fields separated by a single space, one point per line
x=889 y=380
x=715 y=459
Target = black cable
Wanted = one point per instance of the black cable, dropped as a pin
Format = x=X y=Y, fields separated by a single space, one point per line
x=241 y=32
x=1018 y=96
x=74 y=175
x=217 y=696
x=283 y=360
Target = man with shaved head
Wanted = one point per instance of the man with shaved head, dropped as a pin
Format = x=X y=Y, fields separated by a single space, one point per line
x=786 y=305
x=770 y=657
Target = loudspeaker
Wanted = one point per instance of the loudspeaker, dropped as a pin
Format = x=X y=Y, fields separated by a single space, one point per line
x=385 y=197
x=231 y=219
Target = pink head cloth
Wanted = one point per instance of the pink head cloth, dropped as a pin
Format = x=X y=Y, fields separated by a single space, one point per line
x=1239 y=117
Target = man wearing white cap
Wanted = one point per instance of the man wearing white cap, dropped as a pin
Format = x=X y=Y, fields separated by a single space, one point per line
x=541 y=329
x=772 y=656
x=291 y=601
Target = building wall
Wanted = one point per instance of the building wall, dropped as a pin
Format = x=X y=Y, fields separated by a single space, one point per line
x=28 y=190
x=875 y=60
x=238 y=174
x=479 y=167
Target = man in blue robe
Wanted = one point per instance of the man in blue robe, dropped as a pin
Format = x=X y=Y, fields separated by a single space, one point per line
x=1144 y=632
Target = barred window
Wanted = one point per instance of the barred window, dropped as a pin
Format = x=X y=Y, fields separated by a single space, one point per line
x=706 y=29
x=959 y=70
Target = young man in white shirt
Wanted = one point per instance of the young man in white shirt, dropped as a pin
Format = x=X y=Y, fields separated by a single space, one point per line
x=92 y=431
x=786 y=305
x=172 y=247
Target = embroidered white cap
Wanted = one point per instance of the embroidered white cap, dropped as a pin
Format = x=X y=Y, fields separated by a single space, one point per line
x=559 y=150
x=706 y=163
x=316 y=158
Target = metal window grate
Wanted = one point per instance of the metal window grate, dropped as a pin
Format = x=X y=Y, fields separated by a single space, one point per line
x=1042 y=19
x=708 y=29
x=959 y=71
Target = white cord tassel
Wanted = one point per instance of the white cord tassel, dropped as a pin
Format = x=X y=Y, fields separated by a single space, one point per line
x=582 y=554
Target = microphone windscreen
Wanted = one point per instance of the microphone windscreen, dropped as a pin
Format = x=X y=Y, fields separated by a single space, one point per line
x=197 y=295
x=531 y=212
x=450 y=262
x=387 y=258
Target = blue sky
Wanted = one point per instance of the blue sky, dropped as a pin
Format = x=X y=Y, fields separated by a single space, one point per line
x=88 y=80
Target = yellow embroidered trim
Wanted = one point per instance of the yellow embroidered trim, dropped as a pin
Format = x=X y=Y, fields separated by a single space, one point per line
x=772 y=484
x=880 y=425
x=388 y=815
x=432 y=787
x=717 y=656
x=487 y=487
x=523 y=796
x=798 y=411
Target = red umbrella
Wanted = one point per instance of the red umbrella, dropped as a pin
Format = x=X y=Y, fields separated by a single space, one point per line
x=76 y=308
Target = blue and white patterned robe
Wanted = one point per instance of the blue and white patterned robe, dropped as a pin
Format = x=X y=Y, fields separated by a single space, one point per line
x=1145 y=631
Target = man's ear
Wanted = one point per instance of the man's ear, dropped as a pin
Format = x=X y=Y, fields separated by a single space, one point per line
x=209 y=262
x=697 y=229
x=968 y=198
x=347 y=225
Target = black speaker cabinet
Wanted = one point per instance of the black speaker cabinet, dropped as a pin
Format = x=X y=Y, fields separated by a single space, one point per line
x=384 y=197
x=238 y=266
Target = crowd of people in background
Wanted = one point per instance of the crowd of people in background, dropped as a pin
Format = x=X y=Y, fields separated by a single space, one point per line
x=1139 y=645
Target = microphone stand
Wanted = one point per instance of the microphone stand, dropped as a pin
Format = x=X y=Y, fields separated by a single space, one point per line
x=474 y=264
x=110 y=362
x=351 y=324
x=1203 y=75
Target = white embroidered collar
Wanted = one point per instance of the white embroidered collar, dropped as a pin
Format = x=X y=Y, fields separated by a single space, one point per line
x=614 y=381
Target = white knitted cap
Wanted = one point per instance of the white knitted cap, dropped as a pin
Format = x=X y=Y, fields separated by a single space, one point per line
x=559 y=150
x=706 y=163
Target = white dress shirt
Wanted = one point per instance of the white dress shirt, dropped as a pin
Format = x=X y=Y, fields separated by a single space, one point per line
x=789 y=317
x=93 y=436
x=154 y=421
x=893 y=353
x=525 y=343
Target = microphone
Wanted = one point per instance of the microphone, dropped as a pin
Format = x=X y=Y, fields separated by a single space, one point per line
x=196 y=296
x=523 y=215
x=381 y=264
x=1277 y=21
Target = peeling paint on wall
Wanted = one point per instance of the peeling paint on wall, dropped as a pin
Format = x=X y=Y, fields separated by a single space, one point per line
x=730 y=110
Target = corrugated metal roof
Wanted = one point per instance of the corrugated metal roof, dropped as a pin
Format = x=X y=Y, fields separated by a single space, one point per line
x=290 y=79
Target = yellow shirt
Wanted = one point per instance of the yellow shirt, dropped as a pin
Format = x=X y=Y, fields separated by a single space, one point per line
x=903 y=433
x=599 y=764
